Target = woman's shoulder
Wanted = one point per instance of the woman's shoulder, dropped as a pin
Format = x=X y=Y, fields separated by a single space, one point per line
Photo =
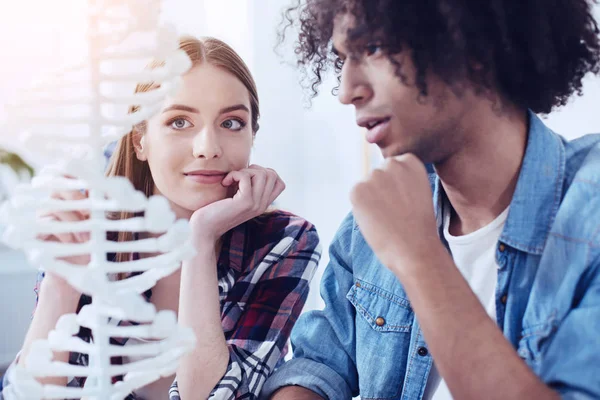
x=275 y=225
x=279 y=236
x=273 y=234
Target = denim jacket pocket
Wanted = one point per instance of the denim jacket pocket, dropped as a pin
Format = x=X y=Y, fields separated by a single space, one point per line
x=383 y=332
x=384 y=311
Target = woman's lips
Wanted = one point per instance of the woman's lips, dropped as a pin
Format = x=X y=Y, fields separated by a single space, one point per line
x=207 y=178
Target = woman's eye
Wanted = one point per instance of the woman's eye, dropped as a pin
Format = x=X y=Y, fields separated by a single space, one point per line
x=180 y=123
x=233 y=124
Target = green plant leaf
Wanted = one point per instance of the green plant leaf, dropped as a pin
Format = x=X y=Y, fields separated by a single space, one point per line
x=14 y=161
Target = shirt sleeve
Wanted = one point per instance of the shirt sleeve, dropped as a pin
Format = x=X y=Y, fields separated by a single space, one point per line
x=36 y=289
x=324 y=341
x=260 y=336
x=571 y=358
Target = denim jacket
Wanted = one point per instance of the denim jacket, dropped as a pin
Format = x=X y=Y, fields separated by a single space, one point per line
x=367 y=340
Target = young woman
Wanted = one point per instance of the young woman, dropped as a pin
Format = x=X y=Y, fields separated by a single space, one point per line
x=243 y=291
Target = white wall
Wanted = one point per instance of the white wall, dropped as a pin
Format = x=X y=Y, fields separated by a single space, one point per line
x=16 y=302
x=582 y=114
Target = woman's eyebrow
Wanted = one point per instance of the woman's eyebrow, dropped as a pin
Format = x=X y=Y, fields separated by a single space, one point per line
x=182 y=108
x=234 y=108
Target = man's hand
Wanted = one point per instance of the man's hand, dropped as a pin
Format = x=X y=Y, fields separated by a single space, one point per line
x=295 y=393
x=394 y=211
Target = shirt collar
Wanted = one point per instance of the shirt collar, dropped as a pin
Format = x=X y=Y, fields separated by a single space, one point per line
x=537 y=194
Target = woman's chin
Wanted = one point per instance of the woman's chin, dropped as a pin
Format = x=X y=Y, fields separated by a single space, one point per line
x=196 y=204
x=187 y=202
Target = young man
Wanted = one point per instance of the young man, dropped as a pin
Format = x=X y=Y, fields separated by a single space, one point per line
x=492 y=289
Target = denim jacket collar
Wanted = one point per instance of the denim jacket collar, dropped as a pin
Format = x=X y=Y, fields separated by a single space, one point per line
x=539 y=188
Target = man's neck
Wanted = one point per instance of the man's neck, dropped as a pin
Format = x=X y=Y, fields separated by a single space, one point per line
x=481 y=177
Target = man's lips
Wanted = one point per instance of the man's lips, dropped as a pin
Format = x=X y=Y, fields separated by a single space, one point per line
x=377 y=127
x=371 y=122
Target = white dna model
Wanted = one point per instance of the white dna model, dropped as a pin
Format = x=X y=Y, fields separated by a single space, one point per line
x=65 y=122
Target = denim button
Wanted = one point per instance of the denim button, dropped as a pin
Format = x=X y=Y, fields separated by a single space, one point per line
x=501 y=262
x=380 y=321
x=523 y=353
x=502 y=247
x=422 y=351
x=503 y=299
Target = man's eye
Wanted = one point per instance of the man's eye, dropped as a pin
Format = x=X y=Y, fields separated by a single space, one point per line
x=372 y=48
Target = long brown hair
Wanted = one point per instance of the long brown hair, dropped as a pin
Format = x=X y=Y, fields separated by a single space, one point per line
x=124 y=161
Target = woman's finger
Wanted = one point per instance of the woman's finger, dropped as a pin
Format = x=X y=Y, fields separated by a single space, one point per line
x=73 y=195
x=277 y=189
x=70 y=195
x=234 y=176
x=67 y=237
x=67 y=216
x=273 y=187
x=272 y=178
x=47 y=237
x=243 y=179
x=259 y=182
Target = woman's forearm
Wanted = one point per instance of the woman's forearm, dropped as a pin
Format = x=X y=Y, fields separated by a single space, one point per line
x=56 y=298
x=200 y=309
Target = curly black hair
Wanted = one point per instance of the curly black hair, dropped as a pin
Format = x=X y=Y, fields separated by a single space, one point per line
x=534 y=53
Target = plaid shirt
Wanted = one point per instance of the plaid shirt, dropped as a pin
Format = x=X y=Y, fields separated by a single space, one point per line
x=264 y=269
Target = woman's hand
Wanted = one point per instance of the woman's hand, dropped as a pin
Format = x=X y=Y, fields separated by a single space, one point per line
x=68 y=216
x=199 y=299
x=257 y=188
x=56 y=297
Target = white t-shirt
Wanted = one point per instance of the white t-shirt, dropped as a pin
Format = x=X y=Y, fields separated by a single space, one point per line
x=475 y=256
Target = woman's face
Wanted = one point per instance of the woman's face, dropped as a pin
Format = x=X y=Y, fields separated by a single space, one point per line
x=203 y=132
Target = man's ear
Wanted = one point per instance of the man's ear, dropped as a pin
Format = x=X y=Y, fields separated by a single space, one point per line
x=138 y=145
